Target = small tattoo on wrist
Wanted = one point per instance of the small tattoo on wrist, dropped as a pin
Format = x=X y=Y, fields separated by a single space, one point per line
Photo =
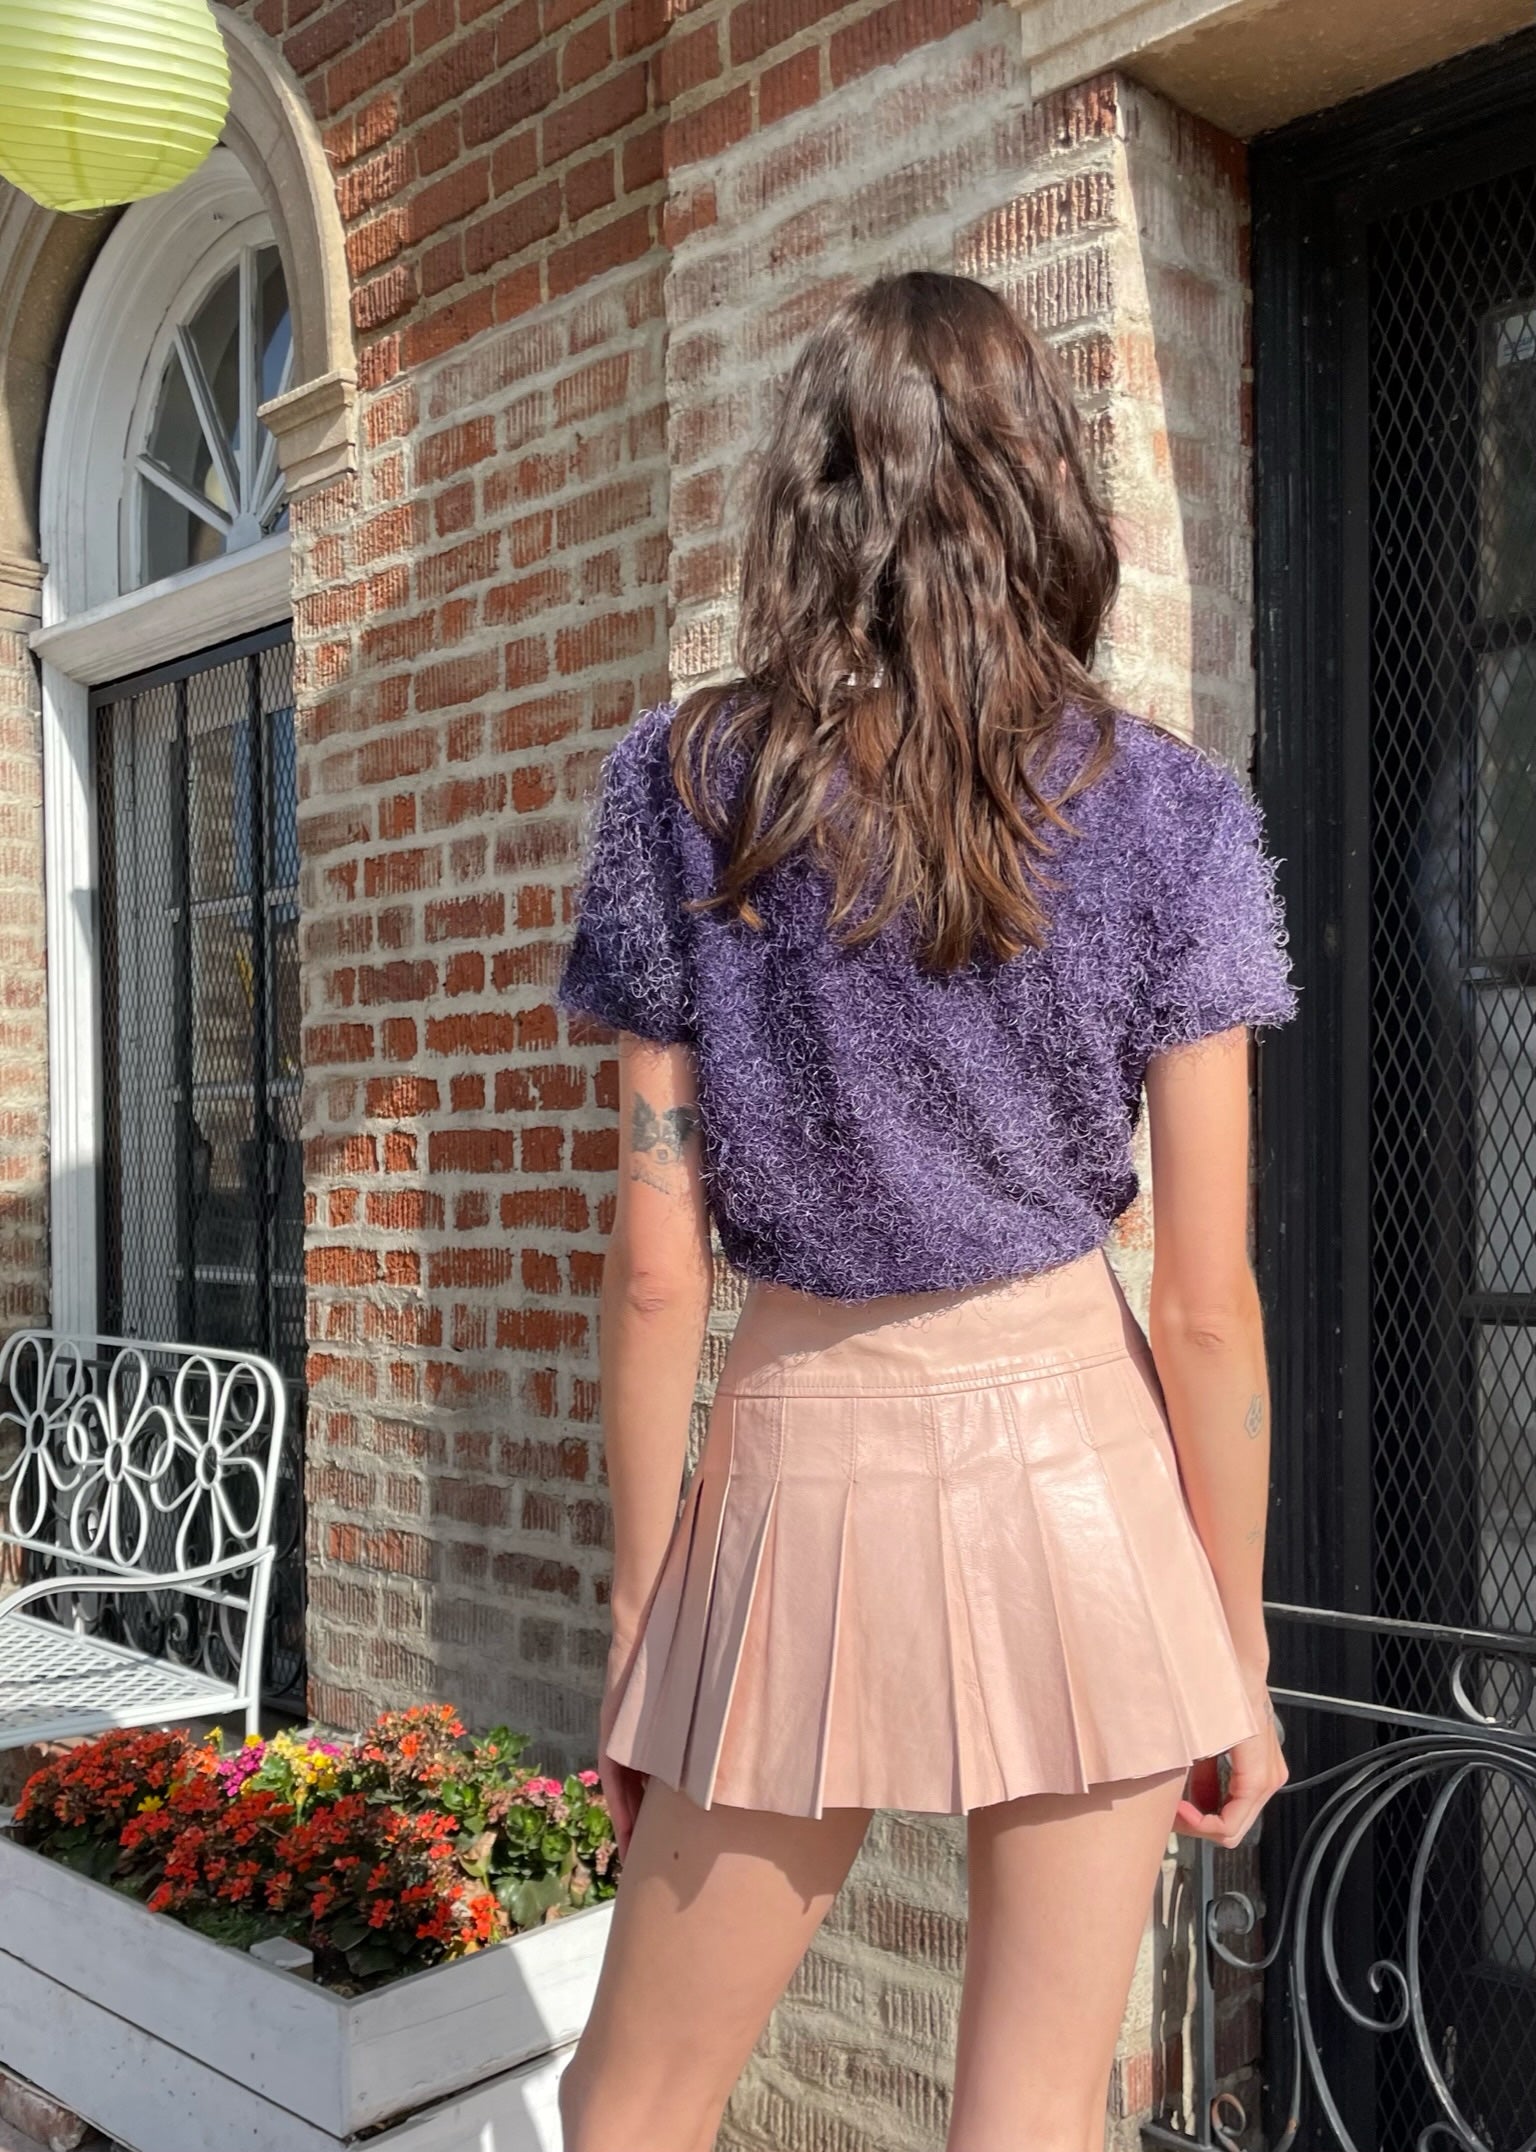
x=1253 y=1418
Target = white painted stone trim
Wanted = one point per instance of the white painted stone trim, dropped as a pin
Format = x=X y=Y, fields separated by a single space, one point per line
x=273 y=131
x=160 y=259
x=74 y=1021
x=165 y=620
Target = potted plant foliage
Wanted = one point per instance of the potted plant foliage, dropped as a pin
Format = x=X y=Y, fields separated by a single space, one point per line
x=445 y=1901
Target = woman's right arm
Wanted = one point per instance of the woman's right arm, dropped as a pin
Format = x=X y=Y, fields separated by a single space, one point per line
x=1207 y=1336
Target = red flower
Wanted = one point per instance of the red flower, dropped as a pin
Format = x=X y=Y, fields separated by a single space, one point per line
x=375 y=1849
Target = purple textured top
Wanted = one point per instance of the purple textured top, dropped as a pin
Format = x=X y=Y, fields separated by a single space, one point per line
x=868 y=1128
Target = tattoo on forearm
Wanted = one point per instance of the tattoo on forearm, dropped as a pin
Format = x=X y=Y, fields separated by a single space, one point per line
x=1255 y=1535
x=656 y=1141
x=1253 y=1418
x=662 y=1134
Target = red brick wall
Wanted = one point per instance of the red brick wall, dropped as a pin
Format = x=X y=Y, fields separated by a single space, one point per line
x=23 y=997
x=489 y=154
x=507 y=572
x=475 y=616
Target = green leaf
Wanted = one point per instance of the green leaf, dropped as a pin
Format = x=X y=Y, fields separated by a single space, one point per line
x=227 y=1925
x=105 y=1861
x=475 y=1856
x=88 y=1857
x=527 y=1902
x=347 y=1934
x=369 y=1958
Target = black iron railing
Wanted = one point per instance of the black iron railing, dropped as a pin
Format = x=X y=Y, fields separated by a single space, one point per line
x=1434 y=1793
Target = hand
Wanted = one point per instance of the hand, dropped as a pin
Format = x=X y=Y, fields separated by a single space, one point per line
x=622 y=1785
x=1257 y=1770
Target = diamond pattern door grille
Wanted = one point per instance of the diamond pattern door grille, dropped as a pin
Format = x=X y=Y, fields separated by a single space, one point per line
x=1451 y=361
x=204 y=1202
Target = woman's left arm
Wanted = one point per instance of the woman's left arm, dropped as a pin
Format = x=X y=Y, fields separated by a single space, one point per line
x=657 y=1280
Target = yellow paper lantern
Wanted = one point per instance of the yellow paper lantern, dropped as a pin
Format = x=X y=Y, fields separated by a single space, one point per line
x=106 y=101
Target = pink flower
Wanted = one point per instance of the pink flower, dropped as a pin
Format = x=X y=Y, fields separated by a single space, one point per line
x=543 y=1789
x=589 y=1778
x=234 y=1770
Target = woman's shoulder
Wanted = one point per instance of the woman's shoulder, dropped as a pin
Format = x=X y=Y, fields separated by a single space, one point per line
x=1168 y=765
x=1172 y=794
x=643 y=751
x=643 y=744
x=634 y=782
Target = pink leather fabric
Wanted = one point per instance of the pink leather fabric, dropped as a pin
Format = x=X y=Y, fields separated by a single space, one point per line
x=936 y=1554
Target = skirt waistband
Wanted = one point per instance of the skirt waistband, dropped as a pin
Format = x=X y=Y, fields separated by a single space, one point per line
x=787 y=1342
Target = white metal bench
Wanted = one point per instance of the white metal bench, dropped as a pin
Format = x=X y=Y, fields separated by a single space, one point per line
x=139 y=1484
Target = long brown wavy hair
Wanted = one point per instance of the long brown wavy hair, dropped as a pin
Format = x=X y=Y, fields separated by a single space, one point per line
x=925 y=571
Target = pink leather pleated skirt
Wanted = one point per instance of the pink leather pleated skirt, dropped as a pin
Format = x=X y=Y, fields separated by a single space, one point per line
x=935 y=1554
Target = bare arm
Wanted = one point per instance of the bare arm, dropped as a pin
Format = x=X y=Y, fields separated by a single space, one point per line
x=1207 y=1338
x=657 y=1276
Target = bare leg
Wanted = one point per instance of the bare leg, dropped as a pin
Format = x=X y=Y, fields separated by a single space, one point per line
x=715 y=1910
x=1060 y=1889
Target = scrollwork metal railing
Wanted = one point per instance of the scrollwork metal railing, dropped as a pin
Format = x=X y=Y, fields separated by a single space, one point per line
x=1411 y=1786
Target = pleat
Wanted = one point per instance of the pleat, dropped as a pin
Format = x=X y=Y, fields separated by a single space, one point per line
x=749 y=1527
x=774 y=1752
x=1207 y=1701
x=1152 y=1677
x=1017 y=1475
x=894 y=1737
x=655 y=1713
x=975 y=1773
x=832 y=1699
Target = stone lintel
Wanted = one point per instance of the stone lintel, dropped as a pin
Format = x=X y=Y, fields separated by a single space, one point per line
x=1248 y=65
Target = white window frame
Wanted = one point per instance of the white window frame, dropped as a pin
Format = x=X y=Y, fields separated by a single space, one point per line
x=252 y=465
x=94 y=631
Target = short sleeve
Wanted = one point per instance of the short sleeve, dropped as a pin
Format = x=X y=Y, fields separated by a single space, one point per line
x=628 y=962
x=1217 y=952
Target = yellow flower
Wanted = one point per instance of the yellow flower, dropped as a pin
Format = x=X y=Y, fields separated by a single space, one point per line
x=150 y=1803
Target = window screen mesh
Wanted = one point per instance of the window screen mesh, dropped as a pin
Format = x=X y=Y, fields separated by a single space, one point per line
x=1452 y=1182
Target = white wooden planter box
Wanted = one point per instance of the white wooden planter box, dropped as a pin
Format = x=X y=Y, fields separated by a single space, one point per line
x=173 y=2043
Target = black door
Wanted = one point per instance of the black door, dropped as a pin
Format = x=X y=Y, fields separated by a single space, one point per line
x=1395 y=339
x=204 y=1202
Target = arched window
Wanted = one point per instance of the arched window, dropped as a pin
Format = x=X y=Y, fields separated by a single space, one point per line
x=208 y=481
x=155 y=462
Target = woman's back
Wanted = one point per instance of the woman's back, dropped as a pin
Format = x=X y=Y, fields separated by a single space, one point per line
x=872 y=1127
x=892 y=927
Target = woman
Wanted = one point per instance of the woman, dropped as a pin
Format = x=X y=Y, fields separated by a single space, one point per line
x=894 y=928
